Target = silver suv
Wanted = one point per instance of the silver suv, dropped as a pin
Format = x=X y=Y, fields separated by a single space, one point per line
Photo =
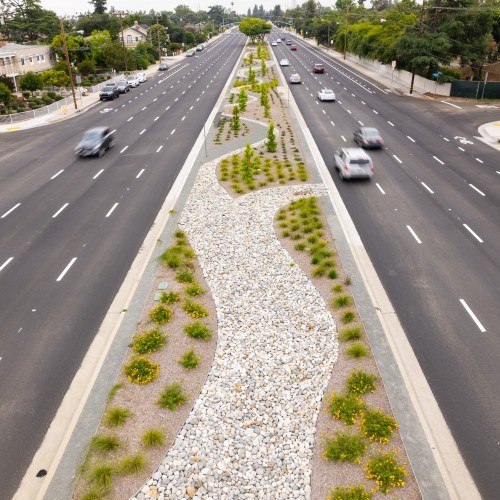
x=353 y=163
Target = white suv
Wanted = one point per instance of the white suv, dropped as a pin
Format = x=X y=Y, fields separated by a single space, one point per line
x=142 y=77
x=353 y=163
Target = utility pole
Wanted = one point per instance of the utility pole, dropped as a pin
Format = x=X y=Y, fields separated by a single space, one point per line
x=420 y=29
x=63 y=36
x=123 y=43
x=158 y=30
x=346 y=30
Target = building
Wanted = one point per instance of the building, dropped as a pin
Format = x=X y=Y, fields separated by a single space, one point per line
x=16 y=60
x=135 y=34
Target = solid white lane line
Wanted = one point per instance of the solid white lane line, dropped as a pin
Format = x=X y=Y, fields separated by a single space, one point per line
x=172 y=133
x=9 y=211
x=131 y=118
x=390 y=123
x=414 y=234
x=98 y=174
x=156 y=118
x=480 y=161
x=60 y=210
x=6 y=263
x=112 y=209
x=397 y=159
x=159 y=149
x=380 y=188
x=461 y=149
x=142 y=132
x=333 y=124
x=473 y=316
x=427 y=187
x=473 y=233
x=343 y=138
x=140 y=173
x=143 y=108
x=450 y=104
x=58 y=173
x=66 y=269
x=411 y=138
x=437 y=159
x=476 y=189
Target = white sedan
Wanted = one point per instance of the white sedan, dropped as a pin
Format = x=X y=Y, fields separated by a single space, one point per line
x=326 y=95
x=284 y=62
x=274 y=44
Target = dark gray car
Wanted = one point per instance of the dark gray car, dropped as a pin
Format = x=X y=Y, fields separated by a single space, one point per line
x=109 y=92
x=368 y=137
x=123 y=86
x=95 y=141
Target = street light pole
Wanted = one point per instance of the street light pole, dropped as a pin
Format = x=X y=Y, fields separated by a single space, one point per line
x=123 y=43
x=346 y=30
x=158 y=31
x=63 y=36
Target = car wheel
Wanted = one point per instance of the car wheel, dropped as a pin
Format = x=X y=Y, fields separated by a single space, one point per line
x=111 y=144
x=102 y=150
x=341 y=175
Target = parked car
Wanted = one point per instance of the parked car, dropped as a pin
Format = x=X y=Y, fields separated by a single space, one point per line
x=133 y=81
x=295 y=78
x=142 y=77
x=123 y=86
x=284 y=62
x=95 y=142
x=318 y=68
x=109 y=92
x=199 y=48
x=288 y=42
x=293 y=47
x=326 y=95
x=368 y=137
x=163 y=67
x=190 y=53
x=353 y=163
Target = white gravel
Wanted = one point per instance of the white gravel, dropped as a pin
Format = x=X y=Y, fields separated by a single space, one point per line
x=251 y=431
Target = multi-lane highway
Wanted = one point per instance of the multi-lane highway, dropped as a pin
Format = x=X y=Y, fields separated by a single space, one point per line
x=70 y=228
x=430 y=222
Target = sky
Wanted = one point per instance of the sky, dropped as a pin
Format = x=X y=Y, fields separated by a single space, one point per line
x=65 y=7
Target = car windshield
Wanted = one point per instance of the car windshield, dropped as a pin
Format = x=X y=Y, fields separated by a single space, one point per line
x=122 y=82
x=327 y=91
x=91 y=135
x=108 y=88
x=371 y=132
x=318 y=65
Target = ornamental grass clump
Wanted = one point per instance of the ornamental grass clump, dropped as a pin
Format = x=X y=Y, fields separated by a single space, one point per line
x=189 y=360
x=141 y=370
x=341 y=301
x=149 y=342
x=116 y=416
x=348 y=317
x=360 y=382
x=357 y=351
x=198 y=330
x=377 y=426
x=101 y=475
x=194 y=290
x=351 y=333
x=194 y=310
x=104 y=444
x=172 y=396
x=350 y=493
x=153 y=437
x=184 y=276
x=385 y=470
x=161 y=314
x=132 y=465
x=344 y=446
x=345 y=407
x=178 y=255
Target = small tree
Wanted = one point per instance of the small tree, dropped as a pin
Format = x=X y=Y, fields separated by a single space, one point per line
x=250 y=59
x=5 y=94
x=86 y=68
x=242 y=99
x=247 y=163
x=55 y=78
x=251 y=76
x=31 y=81
x=235 y=124
x=263 y=67
x=271 y=143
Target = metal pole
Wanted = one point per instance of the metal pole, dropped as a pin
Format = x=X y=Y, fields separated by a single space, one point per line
x=63 y=36
x=484 y=85
x=346 y=30
x=158 y=29
x=420 y=29
x=123 y=44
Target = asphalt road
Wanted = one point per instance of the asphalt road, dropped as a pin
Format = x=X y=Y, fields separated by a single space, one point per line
x=429 y=220
x=70 y=229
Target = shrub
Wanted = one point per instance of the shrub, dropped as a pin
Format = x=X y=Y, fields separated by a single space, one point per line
x=194 y=290
x=150 y=341
x=101 y=475
x=189 y=360
x=116 y=416
x=341 y=301
x=172 y=396
x=332 y=274
x=141 y=370
x=352 y=333
x=360 y=382
x=337 y=288
x=344 y=446
x=198 y=330
x=350 y=493
x=153 y=437
x=348 y=317
x=184 y=276
x=177 y=255
x=92 y=495
x=194 y=310
x=104 y=444
x=161 y=314
x=384 y=469
x=345 y=407
x=132 y=464
x=377 y=426
x=357 y=351
x=170 y=297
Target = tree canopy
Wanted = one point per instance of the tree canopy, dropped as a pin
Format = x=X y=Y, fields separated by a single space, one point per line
x=254 y=28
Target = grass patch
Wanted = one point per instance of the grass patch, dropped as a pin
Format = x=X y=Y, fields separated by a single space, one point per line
x=345 y=446
x=189 y=360
x=351 y=333
x=345 y=407
x=377 y=426
x=161 y=314
x=360 y=382
x=141 y=370
x=104 y=444
x=172 y=396
x=149 y=342
x=348 y=317
x=198 y=330
x=116 y=416
x=350 y=493
x=337 y=288
x=385 y=470
x=153 y=437
x=341 y=301
x=101 y=475
x=132 y=464
x=357 y=351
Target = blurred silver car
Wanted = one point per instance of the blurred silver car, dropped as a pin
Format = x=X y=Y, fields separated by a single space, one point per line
x=295 y=78
x=368 y=137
